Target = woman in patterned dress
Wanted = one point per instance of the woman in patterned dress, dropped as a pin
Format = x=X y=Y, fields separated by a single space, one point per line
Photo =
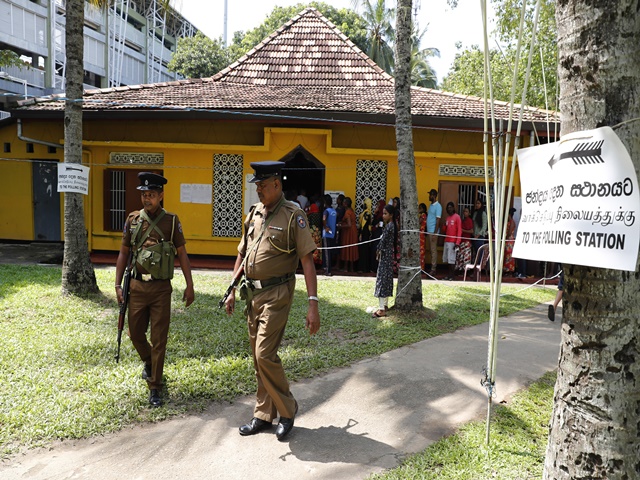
x=384 y=254
x=376 y=232
x=464 y=252
x=315 y=226
x=509 y=261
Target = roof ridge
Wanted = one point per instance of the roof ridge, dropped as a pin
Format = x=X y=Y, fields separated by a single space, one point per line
x=297 y=58
x=258 y=47
x=349 y=42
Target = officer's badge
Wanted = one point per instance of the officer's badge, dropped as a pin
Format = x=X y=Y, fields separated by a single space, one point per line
x=302 y=223
x=180 y=227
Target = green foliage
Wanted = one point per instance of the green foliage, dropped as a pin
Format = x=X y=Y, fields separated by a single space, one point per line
x=9 y=58
x=381 y=34
x=466 y=75
x=422 y=74
x=516 y=451
x=199 y=57
x=60 y=381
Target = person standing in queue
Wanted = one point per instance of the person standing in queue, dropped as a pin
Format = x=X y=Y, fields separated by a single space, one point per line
x=276 y=236
x=434 y=214
x=153 y=237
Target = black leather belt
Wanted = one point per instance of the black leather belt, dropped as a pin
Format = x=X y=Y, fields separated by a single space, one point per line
x=269 y=282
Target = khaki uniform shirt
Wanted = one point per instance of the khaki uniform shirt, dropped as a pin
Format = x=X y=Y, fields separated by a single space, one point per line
x=286 y=239
x=165 y=225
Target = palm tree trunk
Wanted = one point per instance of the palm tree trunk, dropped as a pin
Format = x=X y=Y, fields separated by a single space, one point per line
x=595 y=432
x=78 y=276
x=409 y=290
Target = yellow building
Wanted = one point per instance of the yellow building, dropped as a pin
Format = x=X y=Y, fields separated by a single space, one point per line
x=306 y=95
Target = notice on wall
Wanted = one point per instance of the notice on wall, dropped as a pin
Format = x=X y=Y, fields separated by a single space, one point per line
x=195 y=193
x=580 y=202
x=73 y=177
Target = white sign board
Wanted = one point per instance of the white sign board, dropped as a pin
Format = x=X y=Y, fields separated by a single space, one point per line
x=195 y=193
x=580 y=202
x=73 y=177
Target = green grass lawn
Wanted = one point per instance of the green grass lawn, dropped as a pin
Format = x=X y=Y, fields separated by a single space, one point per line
x=59 y=379
x=516 y=450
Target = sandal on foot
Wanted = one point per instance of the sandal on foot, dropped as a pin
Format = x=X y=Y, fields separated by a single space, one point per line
x=379 y=313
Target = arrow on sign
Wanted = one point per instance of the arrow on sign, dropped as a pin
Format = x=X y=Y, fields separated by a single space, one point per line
x=583 y=153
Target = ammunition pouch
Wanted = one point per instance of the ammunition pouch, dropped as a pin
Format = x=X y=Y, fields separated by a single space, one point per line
x=245 y=290
x=158 y=260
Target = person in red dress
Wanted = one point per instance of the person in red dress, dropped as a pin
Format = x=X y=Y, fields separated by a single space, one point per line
x=422 y=215
x=348 y=237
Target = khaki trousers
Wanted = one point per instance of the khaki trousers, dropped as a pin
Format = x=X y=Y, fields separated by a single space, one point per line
x=267 y=316
x=150 y=305
x=433 y=248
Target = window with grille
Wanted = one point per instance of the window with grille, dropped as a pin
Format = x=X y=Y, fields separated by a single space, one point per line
x=117 y=211
x=121 y=196
x=227 y=195
x=463 y=195
x=371 y=182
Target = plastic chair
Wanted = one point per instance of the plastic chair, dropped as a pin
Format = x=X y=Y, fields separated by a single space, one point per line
x=482 y=255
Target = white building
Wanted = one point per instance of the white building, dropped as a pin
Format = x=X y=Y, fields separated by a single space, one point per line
x=129 y=43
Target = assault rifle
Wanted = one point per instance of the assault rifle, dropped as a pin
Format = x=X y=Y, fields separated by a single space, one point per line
x=232 y=285
x=123 y=305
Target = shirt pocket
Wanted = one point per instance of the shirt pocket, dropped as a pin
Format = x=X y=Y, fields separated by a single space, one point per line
x=278 y=240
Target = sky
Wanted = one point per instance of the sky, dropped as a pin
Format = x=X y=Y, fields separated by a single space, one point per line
x=445 y=26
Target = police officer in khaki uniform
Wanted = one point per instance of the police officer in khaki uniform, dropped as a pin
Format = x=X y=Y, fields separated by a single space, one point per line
x=276 y=237
x=150 y=291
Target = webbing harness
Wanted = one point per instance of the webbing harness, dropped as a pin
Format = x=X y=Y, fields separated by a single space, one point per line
x=153 y=225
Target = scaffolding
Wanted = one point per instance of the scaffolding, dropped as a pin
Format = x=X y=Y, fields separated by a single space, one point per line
x=156 y=28
x=118 y=15
x=58 y=44
x=162 y=27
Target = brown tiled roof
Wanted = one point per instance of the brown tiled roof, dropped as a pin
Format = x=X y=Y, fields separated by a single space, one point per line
x=307 y=66
x=306 y=51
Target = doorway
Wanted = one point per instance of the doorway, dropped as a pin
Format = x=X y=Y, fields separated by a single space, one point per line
x=303 y=171
x=46 y=201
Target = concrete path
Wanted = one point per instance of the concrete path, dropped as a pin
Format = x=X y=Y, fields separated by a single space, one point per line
x=352 y=422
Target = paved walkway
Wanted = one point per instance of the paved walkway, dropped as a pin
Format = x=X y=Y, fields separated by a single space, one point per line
x=352 y=422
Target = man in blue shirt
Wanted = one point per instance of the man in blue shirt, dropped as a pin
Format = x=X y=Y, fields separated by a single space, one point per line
x=433 y=228
x=329 y=220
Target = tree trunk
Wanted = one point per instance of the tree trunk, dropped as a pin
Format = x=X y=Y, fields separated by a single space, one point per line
x=595 y=431
x=78 y=276
x=409 y=290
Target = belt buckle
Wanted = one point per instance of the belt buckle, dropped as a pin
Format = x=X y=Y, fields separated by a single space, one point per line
x=146 y=277
x=256 y=284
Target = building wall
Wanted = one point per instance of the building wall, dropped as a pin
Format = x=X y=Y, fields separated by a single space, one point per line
x=26 y=28
x=188 y=149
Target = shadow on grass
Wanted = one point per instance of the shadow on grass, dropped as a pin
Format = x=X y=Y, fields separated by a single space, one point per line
x=208 y=355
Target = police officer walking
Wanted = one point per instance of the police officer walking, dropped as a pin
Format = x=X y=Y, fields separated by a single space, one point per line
x=276 y=237
x=151 y=239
